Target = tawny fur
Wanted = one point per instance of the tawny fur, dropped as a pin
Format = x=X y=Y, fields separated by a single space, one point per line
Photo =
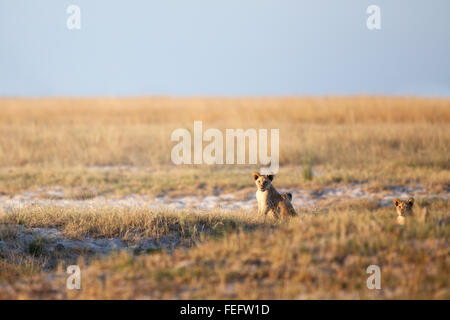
x=270 y=202
x=405 y=211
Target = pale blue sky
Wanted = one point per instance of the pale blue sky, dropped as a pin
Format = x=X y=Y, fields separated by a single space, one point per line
x=224 y=48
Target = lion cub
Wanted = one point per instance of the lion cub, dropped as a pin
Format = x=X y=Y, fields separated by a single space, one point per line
x=269 y=200
x=405 y=209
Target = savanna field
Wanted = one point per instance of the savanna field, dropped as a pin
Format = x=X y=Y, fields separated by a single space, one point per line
x=90 y=182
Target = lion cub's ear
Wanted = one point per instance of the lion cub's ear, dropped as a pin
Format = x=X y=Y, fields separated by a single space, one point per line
x=270 y=177
x=396 y=202
x=256 y=175
x=410 y=202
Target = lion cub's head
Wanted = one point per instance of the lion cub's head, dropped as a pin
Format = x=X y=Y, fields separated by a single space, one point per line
x=404 y=208
x=262 y=182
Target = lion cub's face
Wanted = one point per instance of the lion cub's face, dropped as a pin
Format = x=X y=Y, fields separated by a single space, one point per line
x=262 y=182
x=404 y=207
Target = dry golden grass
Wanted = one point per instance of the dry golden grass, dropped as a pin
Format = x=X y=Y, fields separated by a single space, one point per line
x=382 y=140
x=21 y=257
x=317 y=255
x=129 y=224
x=253 y=111
x=321 y=254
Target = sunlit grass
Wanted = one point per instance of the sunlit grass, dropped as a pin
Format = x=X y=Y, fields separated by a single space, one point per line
x=116 y=147
x=316 y=255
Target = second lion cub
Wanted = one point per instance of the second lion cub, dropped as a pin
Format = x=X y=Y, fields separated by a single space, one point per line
x=405 y=211
x=269 y=200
